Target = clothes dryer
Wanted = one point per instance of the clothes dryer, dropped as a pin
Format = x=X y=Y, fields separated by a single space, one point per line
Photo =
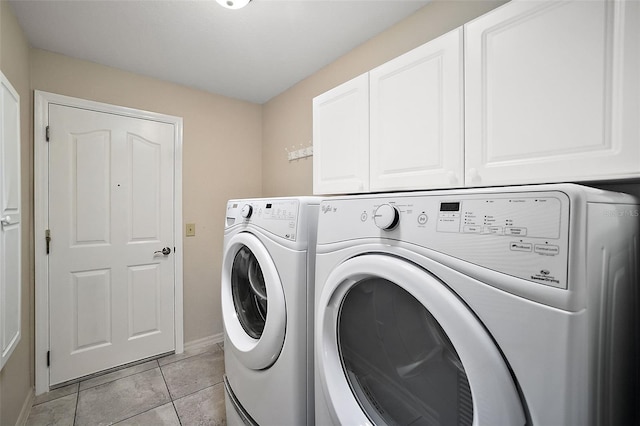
x=267 y=307
x=492 y=306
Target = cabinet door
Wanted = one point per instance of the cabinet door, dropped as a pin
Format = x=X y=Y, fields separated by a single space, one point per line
x=552 y=92
x=10 y=211
x=416 y=138
x=341 y=138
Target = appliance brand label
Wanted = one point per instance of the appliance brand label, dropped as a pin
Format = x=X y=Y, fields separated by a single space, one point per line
x=326 y=208
x=545 y=276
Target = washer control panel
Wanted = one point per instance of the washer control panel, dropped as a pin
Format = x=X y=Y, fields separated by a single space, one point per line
x=279 y=217
x=516 y=217
x=521 y=234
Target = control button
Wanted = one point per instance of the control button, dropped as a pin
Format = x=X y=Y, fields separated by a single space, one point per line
x=364 y=216
x=386 y=217
x=474 y=229
x=422 y=218
x=520 y=246
x=547 y=249
x=496 y=230
x=520 y=232
x=247 y=209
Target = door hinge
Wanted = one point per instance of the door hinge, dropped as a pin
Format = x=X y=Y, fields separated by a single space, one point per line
x=47 y=238
x=48 y=358
x=47 y=133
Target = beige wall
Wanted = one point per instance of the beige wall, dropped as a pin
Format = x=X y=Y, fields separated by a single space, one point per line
x=287 y=118
x=16 y=377
x=221 y=159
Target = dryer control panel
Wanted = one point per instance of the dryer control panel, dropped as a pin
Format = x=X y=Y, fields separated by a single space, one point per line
x=278 y=217
x=521 y=234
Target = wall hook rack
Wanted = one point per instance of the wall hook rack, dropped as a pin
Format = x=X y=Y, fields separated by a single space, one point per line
x=296 y=153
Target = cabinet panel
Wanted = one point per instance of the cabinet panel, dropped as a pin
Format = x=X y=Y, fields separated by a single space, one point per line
x=341 y=138
x=552 y=92
x=416 y=138
x=10 y=221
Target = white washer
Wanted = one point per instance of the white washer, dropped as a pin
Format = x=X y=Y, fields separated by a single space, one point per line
x=267 y=308
x=493 y=306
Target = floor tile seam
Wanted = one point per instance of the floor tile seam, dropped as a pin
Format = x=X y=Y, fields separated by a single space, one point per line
x=151 y=408
x=178 y=360
x=195 y=392
x=170 y=396
x=185 y=358
x=115 y=380
x=54 y=399
x=75 y=413
x=145 y=411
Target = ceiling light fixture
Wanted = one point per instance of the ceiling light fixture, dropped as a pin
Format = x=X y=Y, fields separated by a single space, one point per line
x=233 y=4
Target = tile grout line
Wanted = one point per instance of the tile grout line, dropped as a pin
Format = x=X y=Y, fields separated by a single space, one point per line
x=123 y=377
x=152 y=408
x=75 y=413
x=100 y=384
x=169 y=391
x=78 y=390
x=120 y=378
x=200 y=390
x=187 y=357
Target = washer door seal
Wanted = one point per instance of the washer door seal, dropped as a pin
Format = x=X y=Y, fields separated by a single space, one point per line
x=495 y=399
x=259 y=347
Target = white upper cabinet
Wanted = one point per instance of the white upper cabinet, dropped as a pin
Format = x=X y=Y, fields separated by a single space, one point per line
x=10 y=220
x=341 y=138
x=553 y=92
x=396 y=127
x=416 y=127
x=549 y=91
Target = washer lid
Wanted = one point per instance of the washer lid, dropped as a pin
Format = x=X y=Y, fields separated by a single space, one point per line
x=394 y=345
x=253 y=304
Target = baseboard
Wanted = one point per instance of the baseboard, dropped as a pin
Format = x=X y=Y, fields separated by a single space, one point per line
x=26 y=408
x=209 y=340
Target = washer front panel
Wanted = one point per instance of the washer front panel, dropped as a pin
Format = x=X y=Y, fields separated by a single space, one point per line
x=494 y=398
x=256 y=350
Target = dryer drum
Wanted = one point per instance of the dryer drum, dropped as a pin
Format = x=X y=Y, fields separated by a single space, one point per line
x=401 y=366
x=249 y=292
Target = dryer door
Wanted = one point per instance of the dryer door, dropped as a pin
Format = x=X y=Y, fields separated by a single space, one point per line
x=394 y=345
x=253 y=305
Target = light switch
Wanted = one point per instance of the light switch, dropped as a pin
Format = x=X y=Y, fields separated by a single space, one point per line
x=191 y=230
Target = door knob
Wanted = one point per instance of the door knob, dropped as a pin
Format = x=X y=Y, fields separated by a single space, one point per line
x=6 y=220
x=166 y=251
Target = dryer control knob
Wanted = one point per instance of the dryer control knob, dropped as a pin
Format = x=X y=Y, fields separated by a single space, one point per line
x=247 y=210
x=386 y=217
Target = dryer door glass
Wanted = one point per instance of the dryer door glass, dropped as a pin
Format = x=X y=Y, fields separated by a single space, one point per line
x=400 y=364
x=249 y=292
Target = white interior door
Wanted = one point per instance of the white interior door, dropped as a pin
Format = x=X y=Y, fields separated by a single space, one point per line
x=111 y=212
x=10 y=214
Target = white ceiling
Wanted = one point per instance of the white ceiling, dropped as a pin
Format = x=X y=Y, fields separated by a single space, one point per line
x=251 y=54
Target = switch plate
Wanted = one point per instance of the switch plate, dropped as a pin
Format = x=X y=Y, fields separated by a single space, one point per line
x=190 y=230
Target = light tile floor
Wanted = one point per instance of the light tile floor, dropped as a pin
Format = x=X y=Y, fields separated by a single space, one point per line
x=184 y=389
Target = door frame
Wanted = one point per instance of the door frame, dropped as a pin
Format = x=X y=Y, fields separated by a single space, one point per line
x=42 y=100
